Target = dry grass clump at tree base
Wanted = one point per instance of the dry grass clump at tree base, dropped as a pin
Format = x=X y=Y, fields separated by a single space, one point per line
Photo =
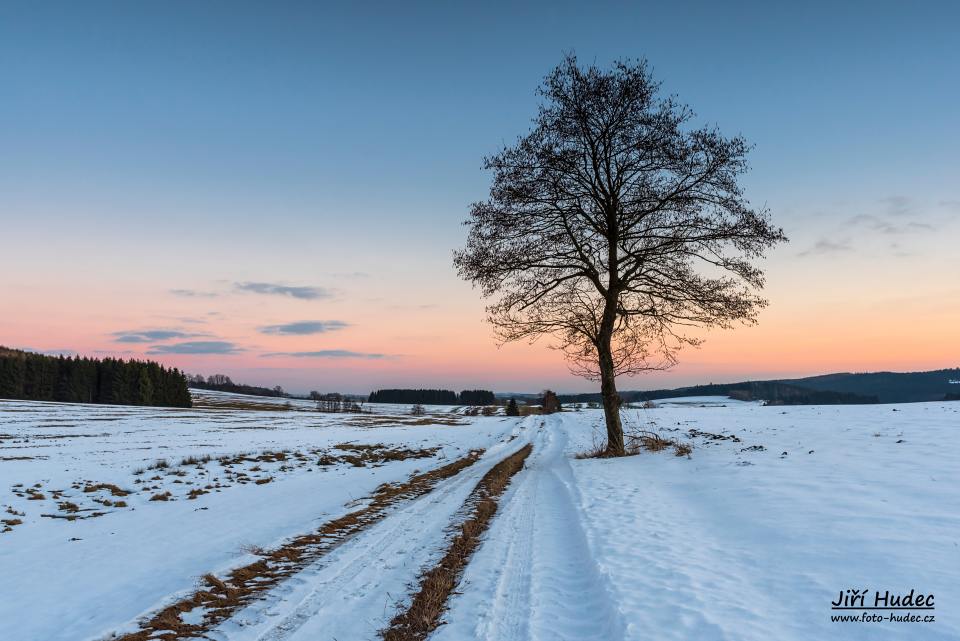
x=637 y=441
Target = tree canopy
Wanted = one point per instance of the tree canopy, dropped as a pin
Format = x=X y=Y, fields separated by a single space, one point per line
x=615 y=226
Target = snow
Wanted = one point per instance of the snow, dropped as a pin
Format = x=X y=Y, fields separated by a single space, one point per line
x=84 y=578
x=776 y=512
x=729 y=544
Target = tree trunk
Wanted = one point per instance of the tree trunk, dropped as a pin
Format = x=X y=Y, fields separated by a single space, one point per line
x=611 y=400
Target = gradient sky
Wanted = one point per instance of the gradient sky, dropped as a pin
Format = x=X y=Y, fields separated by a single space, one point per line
x=272 y=190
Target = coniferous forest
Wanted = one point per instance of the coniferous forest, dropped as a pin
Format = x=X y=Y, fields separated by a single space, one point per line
x=37 y=377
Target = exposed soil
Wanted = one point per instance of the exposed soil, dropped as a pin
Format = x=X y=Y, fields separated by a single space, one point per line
x=438 y=583
x=222 y=597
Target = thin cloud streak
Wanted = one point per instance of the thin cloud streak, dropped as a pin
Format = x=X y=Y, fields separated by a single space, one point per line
x=150 y=335
x=303 y=328
x=328 y=353
x=275 y=289
x=826 y=246
x=193 y=293
x=197 y=347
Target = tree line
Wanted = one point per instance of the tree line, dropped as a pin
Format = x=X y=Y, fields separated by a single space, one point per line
x=773 y=392
x=222 y=383
x=113 y=381
x=433 y=397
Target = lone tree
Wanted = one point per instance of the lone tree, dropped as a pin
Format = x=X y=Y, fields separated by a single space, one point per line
x=616 y=227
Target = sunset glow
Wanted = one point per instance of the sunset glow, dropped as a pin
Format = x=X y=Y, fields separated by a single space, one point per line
x=283 y=220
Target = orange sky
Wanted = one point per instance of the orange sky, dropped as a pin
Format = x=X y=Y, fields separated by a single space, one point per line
x=856 y=310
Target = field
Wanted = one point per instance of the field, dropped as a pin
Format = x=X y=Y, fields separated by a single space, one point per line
x=113 y=513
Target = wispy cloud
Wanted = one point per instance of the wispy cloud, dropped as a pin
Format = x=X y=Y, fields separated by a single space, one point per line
x=276 y=289
x=150 y=335
x=196 y=347
x=952 y=206
x=193 y=293
x=302 y=328
x=826 y=246
x=328 y=353
x=898 y=206
x=884 y=226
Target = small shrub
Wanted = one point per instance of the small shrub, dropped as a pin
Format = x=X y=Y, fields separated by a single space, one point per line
x=550 y=403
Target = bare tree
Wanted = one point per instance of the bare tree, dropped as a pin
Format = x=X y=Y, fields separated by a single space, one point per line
x=615 y=227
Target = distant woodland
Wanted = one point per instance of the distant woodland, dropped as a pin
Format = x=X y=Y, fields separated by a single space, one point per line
x=772 y=392
x=222 y=383
x=828 y=389
x=37 y=377
x=433 y=397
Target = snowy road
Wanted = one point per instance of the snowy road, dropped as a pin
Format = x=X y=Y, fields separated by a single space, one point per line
x=517 y=587
x=354 y=591
x=536 y=577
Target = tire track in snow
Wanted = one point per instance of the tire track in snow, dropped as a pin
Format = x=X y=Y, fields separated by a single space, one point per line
x=351 y=593
x=534 y=578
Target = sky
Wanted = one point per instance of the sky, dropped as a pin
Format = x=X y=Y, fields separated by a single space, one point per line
x=273 y=190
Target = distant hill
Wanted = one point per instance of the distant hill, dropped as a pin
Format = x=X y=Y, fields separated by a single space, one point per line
x=889 y=387
x=827 y=389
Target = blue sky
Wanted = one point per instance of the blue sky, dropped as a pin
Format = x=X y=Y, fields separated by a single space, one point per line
x=184 y=145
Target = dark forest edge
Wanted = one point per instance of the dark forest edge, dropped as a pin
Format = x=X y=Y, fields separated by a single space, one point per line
x=111 y=381
x=433 y=397
x=827 y=389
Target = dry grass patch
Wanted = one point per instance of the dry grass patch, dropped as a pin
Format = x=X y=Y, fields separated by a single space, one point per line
x=437 y=584
x=222 y=597
x=9 y=524
x=114 y=490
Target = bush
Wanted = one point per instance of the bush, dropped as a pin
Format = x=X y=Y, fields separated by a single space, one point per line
x=550 y=403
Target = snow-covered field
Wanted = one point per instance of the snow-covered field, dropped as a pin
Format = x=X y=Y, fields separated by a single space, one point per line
x=79 y=579
x=776 y=512
x=735 y=543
